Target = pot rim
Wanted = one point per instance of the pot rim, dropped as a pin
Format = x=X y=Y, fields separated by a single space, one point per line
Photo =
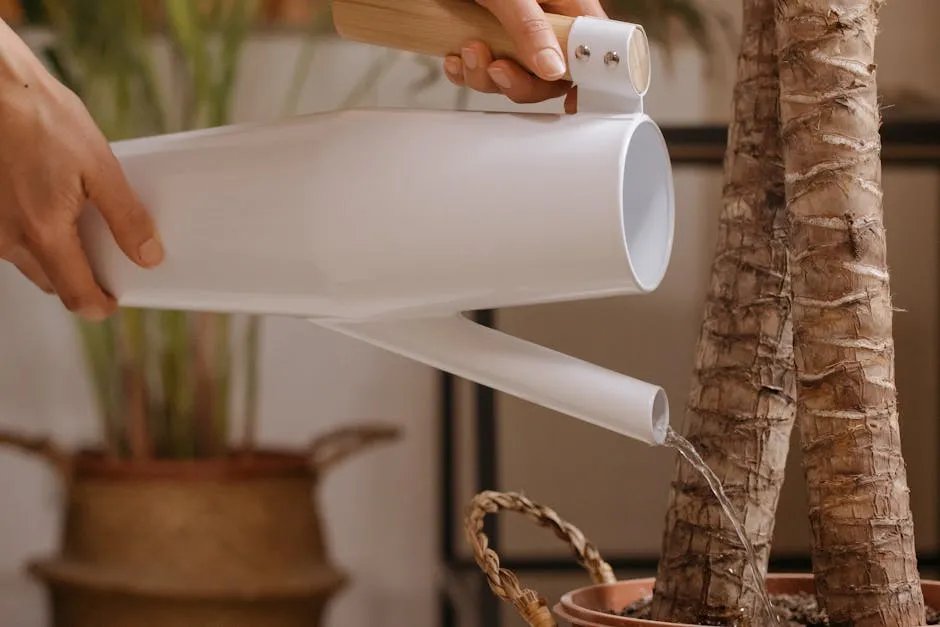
x=567 y=610
x=234 y=465
x=61 y=572
x=570 y=611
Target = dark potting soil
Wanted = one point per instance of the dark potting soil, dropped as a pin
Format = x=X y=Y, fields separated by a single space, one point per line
x=794 y=610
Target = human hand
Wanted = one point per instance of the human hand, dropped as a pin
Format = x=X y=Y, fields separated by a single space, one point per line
x=525 y=22
x=53 y=160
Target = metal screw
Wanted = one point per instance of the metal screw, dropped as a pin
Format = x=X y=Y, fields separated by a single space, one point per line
x=611 y=58
x=582 y=52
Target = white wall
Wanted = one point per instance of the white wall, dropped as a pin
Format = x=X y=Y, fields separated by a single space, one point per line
x=381 y=508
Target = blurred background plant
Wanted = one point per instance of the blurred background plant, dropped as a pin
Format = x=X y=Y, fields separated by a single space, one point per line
x=170 y=384
x=670 y=22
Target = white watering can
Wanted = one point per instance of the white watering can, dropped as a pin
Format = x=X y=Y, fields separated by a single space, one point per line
x=387 y=224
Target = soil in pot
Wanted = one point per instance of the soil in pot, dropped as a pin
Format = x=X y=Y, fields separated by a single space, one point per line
x=795 y=610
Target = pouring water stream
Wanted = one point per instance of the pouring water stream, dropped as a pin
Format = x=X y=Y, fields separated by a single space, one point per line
x=688 y=452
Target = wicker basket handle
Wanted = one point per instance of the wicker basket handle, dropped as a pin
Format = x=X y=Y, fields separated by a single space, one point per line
x=504 y=583
x=333 y=447
x=40 y=447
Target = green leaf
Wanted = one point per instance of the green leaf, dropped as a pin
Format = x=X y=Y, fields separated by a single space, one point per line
x=235 y=29
x=191 y=42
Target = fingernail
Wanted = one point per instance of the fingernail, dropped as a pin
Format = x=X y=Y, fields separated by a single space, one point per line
x=470 y=58
x=151 y=252
x=550 y=63
x=452 y=65
x=499 y=77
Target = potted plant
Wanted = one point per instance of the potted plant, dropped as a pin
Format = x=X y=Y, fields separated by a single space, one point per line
x=797 y=331
x=609 y=602
x=177 y=516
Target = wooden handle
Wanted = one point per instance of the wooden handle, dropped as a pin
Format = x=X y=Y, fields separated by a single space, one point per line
x=432 y=27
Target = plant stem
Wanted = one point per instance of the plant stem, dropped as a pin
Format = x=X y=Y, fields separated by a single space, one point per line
x=302 y=66
x=864 y=556
x=234 y=32
x=188 y=33
x=742 y=405
x=98 y=342
x=380 y=66
x=222 y=384
x=253 y=341
x=133 y=372
x=203 y=338
x=177 y=381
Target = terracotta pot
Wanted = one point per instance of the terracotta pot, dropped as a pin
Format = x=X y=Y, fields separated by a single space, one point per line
x=590 y=606
x=236 y=542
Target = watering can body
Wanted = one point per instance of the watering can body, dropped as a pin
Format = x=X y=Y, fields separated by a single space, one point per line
x=388 y=224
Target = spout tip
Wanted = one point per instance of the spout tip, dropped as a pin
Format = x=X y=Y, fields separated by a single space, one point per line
x=659 y=415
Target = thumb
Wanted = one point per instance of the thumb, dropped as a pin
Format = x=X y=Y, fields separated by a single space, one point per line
x=130 y=222
x=532 y=34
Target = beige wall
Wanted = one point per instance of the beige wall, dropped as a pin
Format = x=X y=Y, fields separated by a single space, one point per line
x=381 y=508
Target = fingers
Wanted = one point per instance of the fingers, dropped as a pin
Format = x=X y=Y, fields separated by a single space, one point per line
x=30 y=268
x=476 y=69
x=59 y=252
x=538 y=48
x=521 y=87
x=532 y=34
x=571 y=101
x=453 y=70
x=470 y=68
x=130 y=222
x=574 y=8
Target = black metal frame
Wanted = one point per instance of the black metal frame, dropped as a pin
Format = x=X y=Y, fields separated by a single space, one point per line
x=910 y=143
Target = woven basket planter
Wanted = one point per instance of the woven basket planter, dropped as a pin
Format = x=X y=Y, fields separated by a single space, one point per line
x=235 y=542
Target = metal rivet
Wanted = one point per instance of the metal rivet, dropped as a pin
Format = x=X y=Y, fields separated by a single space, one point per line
x=582 y=52
x=611 y=58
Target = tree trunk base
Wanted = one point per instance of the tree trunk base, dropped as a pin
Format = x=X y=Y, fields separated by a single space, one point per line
x=626 y=603
x=799 y=609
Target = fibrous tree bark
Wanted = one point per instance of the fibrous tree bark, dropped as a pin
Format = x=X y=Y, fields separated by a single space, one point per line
x=742 y=403
x=863 y=538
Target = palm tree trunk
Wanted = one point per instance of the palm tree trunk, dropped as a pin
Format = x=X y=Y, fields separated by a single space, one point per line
x=742 y=403
x=863 y=535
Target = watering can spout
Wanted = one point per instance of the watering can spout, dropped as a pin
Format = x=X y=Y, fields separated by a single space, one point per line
x=534 y=373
